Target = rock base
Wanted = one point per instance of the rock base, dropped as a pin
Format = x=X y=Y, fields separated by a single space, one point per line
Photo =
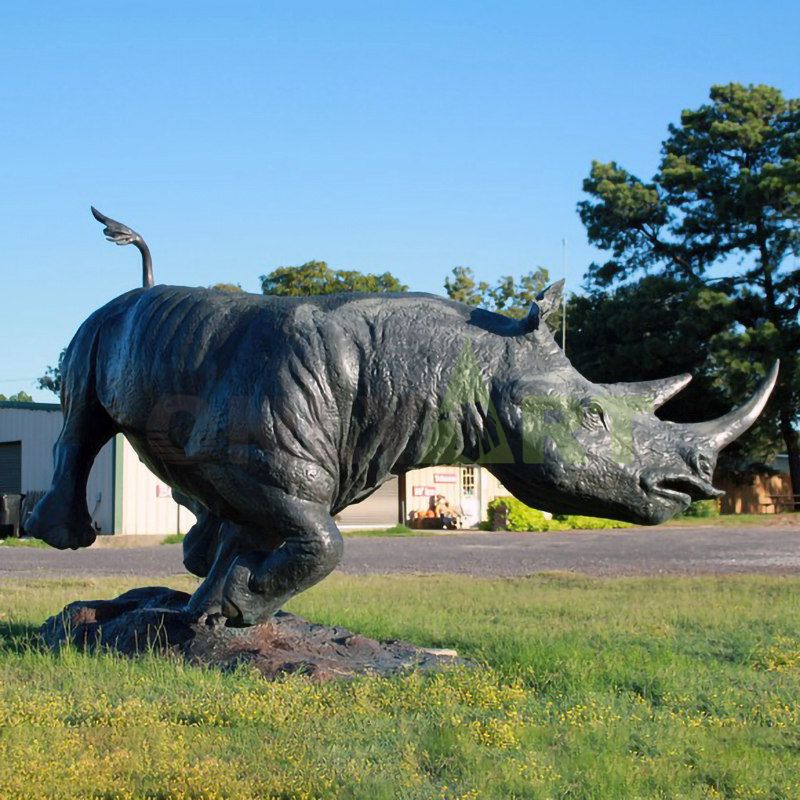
x=152 y=620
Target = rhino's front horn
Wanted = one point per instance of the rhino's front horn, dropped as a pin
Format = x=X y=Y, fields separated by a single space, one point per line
x=721 y=432
x=656 y=392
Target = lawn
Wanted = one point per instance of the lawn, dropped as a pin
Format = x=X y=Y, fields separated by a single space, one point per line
x=736 y=520
x=587 y=688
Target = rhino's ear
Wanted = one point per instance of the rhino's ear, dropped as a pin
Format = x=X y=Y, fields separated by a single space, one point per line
x=547 y=301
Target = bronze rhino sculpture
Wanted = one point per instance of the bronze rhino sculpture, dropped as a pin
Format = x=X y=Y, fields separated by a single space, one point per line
x=271 y=414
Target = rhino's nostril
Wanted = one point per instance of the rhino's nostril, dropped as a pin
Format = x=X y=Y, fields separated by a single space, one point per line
x=685 y=485
x=702 y=465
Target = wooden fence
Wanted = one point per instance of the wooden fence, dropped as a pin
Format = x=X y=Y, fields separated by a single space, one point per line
x=757 y=497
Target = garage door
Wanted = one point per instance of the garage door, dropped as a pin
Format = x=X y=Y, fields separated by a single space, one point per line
x=11 y=468
x=378 y=510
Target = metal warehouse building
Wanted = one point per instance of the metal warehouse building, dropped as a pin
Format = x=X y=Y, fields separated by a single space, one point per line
x=125 y=497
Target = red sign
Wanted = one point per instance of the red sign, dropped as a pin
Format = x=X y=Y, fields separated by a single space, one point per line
x=423 y=491
x=445 y=477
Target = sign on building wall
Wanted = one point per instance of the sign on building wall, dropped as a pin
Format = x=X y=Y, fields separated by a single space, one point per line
x=445 y=477
x=423 y=491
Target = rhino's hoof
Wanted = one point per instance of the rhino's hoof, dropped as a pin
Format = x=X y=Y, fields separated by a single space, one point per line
x=241 y=604
x=63 y=535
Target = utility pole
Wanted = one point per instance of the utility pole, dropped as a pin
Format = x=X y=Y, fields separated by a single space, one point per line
x=564 y=297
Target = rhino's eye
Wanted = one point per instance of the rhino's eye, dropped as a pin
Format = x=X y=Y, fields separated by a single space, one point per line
x=595 y=415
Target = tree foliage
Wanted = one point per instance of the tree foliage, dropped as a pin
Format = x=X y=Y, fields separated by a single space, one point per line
x=19 y=397
x=51 y=380
x=721 y=214
x=509 y=296
x=227 y=287
x=316 y=277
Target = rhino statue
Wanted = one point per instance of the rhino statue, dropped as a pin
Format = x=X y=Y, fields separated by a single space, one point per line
x=269 y=415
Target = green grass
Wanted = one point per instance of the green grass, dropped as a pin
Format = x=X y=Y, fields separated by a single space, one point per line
x=396 y=530
x=12 y=541
x=588 y=688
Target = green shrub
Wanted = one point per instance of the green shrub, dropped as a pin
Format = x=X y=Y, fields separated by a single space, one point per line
x=702 y=508
x=510 y=514
x=173 y=538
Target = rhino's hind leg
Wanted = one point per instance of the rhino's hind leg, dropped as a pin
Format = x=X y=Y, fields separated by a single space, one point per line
x=201 y=542
x=61 y=518
x=213 y=546
x=259 y=583
x=230 y=542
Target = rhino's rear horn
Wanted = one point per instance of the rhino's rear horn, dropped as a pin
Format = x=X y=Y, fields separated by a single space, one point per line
x=656 y=392
x=721 y=432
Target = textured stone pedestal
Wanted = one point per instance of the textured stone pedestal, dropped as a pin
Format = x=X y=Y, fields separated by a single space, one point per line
x=151 y=619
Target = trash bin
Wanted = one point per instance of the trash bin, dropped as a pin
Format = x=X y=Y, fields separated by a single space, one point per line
x=10 y=505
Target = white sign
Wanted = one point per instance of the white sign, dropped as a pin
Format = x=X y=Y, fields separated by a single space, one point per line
x=162 y=490
x=423 y=491
x=445 y=477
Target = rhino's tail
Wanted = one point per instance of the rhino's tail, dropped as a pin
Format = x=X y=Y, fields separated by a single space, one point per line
x=121 y=234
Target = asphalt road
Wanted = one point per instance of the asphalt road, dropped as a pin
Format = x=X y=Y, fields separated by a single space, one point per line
x=649 y=551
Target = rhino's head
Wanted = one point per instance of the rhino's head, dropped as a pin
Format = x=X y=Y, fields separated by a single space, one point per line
x=598 y=449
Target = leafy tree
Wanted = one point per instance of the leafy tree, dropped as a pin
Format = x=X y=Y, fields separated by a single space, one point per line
x=462 y=287
x=316 y=277
x=227 y=287
x=723 y=212
x=19 y=397
x=508 y=296
x=51 y=380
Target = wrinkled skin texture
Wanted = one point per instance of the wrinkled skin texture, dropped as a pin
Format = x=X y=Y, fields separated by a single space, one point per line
x=269 y=415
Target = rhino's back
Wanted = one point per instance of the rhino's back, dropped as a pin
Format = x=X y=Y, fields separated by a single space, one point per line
x=170 y=341
x=173 y=341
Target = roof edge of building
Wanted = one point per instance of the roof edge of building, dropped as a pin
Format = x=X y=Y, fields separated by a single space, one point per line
x=30 y=406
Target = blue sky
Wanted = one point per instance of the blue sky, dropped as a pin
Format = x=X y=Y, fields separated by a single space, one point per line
x=410 y=137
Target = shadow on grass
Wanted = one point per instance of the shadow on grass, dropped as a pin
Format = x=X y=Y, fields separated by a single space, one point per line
x=18 y=636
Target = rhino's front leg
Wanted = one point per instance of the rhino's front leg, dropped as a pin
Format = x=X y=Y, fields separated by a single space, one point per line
x=259 y=583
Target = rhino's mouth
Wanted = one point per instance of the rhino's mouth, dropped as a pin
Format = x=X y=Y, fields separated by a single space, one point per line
x=679 y=488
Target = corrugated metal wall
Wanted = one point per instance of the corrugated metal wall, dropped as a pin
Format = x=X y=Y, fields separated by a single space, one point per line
x=100 y=489
x=37 y=429
x=379 y=509
x=147 y=504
